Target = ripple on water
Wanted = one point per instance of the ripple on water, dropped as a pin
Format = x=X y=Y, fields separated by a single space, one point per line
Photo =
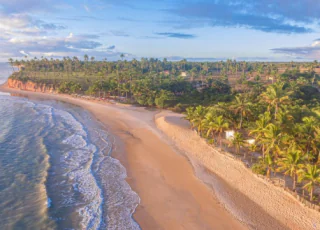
x=87 y=187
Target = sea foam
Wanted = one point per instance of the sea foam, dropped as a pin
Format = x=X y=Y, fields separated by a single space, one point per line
x=90 y=181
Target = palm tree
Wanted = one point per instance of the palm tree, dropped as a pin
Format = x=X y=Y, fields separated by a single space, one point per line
x=219 y=125
x=259 y=129
x=275 y=96
x=242 y=107
x=237 y=141
x=190 y=115
x=252 y=148
x=311 y=175
x=11 y=63
x=285 y=119
x=291 y=163
x=199 y=115
x=273 y=139
x=306 y=134
x=270 y=164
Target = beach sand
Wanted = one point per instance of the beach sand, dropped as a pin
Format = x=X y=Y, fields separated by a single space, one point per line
x=172 y=197
x=164 y=161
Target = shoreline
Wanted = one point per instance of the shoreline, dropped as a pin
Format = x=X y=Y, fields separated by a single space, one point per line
x=172 y=197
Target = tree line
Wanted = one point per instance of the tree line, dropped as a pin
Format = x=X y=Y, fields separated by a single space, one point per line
x=283 y=123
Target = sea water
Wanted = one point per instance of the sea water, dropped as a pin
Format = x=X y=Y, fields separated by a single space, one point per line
x=56 y=171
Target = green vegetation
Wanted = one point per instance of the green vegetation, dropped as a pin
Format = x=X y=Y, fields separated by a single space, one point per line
x=276 y=104
x=285 y=127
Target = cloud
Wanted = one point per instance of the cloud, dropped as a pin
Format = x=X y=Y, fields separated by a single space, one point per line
x=128 y=19
x=111 y=47
x=277 y=16
x=176 y=35
x=26 y=31
x=48 y=44
x=118 y=33
x=52 y=26
x=30 y=6
x=272 y=16
x=25 y=25
x=309 y=52
x=206 y=59
x=24 y=53
x=71 y=45
x=79 y=18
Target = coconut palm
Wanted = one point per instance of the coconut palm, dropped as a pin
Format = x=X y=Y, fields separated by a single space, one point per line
x=269 y=161
x=306 y=134
x=209 y=118
x=252 y=149
x=275 y=96
x=219 y=125
x=311 y=175
x=237 y=141
x=190 y=115
x=284 y=119
x=290 y=164
x=241 y=106
x=259 y=128
x=273 y=138
x=199 y=115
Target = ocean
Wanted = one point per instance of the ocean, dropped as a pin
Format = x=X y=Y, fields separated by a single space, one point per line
x=56 y=171
x=5 y=71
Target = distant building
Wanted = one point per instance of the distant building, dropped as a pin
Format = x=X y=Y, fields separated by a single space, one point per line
x=184 y=74
x=166 y=72
x=230 y=134
x=251 y=141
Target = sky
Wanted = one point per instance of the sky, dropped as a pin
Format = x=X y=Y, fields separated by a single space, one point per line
x=250 y=30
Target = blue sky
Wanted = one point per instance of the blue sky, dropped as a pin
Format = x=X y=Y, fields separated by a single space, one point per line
x=264 y=30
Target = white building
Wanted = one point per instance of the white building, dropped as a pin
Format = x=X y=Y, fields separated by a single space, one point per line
x=230 y=134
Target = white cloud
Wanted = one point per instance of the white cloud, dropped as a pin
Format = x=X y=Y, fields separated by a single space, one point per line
x=24 y=53
x=316 y=43
x=14 y=21
x=308 y=52
x=23 y=33
x=70 y=36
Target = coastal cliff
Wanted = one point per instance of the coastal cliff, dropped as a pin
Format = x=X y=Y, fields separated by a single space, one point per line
x=30 y=86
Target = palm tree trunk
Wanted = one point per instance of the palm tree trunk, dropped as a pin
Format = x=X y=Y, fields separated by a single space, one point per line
x=294 y=182
x=311 y=194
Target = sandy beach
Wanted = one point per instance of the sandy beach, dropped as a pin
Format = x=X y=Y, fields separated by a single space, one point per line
x=172 y=197
x=256 y=202
x=184 y=183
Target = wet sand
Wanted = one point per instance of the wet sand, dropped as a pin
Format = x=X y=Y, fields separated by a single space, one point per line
x=172 y=197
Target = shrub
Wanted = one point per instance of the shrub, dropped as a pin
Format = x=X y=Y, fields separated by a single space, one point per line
x=259 y=168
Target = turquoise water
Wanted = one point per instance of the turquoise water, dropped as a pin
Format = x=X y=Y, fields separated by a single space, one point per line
x=56 y=172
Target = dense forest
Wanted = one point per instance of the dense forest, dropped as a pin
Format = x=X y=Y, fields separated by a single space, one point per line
x=275 y=104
